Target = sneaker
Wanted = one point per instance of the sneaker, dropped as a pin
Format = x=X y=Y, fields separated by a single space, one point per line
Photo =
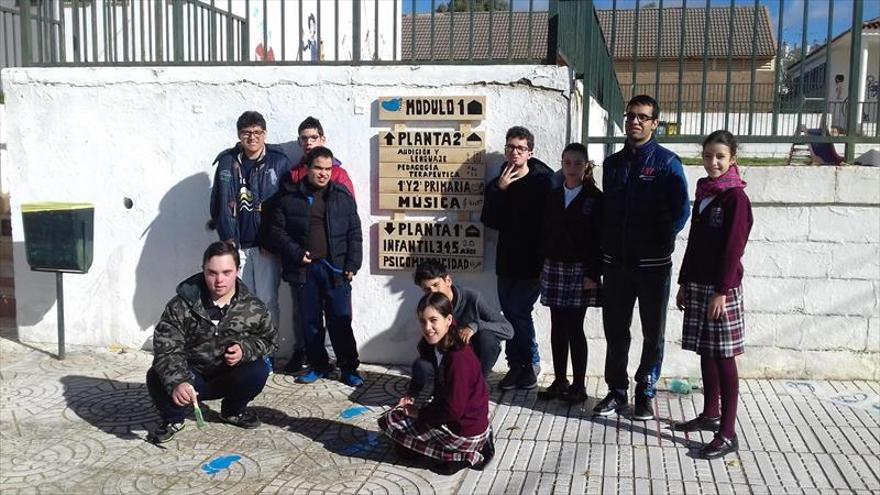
x=611 y=404
x=527 y=379
x=644 y=409
x=311 y=377
x=700 y=423
x=555 y=390
x=165 y=432
x=510 y=379
x=575 y=394
x=719 y=447
x=351 y=378
x=244 y=419
x=296 y=364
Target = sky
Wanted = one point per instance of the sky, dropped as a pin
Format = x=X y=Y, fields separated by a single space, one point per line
x=792 y=13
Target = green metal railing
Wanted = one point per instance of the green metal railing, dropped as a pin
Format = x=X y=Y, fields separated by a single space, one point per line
x=583 y=46
x=699 y=88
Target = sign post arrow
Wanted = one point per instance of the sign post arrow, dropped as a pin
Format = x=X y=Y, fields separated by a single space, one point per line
x=389 y=139
x=389 y=227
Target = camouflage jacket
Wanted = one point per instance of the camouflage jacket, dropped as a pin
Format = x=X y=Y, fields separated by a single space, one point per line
x=186 y=338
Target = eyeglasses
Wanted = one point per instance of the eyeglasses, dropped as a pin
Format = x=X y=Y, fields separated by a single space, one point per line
x=249 y=134
x=638 y=117
x=309 y=139
x=519 y=149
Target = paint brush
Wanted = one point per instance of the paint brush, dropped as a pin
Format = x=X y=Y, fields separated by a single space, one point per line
x=200 y=419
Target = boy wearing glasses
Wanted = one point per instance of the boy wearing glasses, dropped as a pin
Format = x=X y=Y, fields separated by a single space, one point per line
x=514 y=207
x=311 y=136
x=645 y=206
x=248 y=175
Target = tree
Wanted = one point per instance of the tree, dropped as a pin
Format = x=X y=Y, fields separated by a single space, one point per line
x=478 y=5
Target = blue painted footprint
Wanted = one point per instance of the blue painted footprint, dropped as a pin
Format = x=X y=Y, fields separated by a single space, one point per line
x=849 y=399
x=219 y=464
x=369 y=444
x=802 y=387
x=353 y=412
x=391 y=105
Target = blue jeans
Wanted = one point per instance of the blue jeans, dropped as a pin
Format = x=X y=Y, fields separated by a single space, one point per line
x=517 y=297
x=237 y=386
x=322 y=298
x=622 y=286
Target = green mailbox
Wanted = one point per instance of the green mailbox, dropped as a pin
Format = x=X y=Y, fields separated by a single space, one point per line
x=58 y=237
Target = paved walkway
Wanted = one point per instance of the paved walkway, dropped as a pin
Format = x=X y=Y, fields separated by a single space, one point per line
x=77 y=426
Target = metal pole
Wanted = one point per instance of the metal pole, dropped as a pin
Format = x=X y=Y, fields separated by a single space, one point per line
x=59 y=290
x=855 y=71
x=356 y=30
x=26 y=52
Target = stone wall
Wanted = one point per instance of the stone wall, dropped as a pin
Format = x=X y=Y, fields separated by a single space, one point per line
x=812 y=273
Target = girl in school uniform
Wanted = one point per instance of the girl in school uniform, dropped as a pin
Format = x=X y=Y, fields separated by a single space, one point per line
x=453 y=429
x=572 y=267
x=710 y=291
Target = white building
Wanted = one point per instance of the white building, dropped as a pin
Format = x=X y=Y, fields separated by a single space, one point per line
x=827 y=76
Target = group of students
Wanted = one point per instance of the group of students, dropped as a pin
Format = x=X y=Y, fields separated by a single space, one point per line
x=560 y=239
x=574 y=246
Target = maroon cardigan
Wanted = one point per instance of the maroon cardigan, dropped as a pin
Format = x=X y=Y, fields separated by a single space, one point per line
x=461 y=400
x=717 y=241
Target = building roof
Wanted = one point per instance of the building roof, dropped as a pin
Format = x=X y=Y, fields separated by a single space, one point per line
x=649 y=22
x=461 y=23
x=819 y=50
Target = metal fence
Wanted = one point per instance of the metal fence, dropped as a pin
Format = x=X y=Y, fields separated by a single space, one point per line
x=717 y=52
x=711 y=63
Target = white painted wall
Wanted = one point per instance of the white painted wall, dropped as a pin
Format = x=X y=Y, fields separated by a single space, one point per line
x=99 y=135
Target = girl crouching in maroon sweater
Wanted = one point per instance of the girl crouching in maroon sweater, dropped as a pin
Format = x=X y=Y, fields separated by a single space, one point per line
x=453 y=428
x=710 y=292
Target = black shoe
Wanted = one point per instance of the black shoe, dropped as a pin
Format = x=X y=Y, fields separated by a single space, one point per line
x=611 y=404
x=244 y=419
x=719 y=447
x=554 y=391
x=700 y=423
x=575 y=394
x=644 y=408
x=165 y=432
x=510 y=379
x=296 y=364
x=527 y=379
x=488 y=452
x=449 y=468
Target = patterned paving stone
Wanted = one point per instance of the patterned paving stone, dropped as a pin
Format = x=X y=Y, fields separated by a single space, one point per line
x=48 y=461
x=77 y=426
x=27 y=395
x=95 y=364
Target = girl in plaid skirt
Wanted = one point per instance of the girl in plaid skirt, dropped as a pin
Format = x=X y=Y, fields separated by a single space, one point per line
x=453 y=429
x=710 y=292
x=572 y=264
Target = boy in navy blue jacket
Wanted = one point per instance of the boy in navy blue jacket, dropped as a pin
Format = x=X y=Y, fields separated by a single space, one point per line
x=247 y=176
x=646 y=205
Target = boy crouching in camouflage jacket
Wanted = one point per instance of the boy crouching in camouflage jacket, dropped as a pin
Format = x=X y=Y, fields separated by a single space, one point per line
x=209 y=344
